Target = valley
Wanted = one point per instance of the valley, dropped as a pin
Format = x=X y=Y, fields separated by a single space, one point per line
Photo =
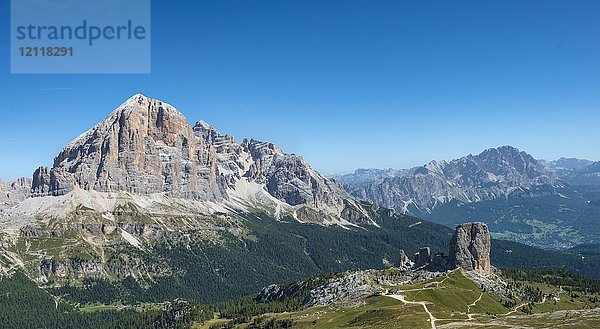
x=548 y=204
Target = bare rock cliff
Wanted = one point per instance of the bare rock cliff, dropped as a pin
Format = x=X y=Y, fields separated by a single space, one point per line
x=14 y=192
x=470 y=247
x=146 y=147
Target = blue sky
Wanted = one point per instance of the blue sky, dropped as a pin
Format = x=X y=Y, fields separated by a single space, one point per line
x=347 y=84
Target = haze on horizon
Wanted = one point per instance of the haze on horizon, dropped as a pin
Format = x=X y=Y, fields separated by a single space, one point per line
x=347 y=86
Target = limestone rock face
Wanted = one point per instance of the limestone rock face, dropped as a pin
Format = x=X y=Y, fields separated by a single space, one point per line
x=146 y=147
x=470 y=247
x=14 y=192
x=423 y=257
x=404 y=262
x=56 y=181
x=288 y=177
x=72 y=267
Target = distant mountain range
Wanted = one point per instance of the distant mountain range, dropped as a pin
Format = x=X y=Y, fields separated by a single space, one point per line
x=575 y=171
x=492 y=174
x=519 y=196
x=361 y=178
x=567 y=164
x=588 y=175
x=14 y=192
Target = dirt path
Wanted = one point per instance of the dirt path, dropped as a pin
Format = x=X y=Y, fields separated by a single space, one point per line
x=432 y=319
x=516 y=309
x=469 y=314
x=446 y=278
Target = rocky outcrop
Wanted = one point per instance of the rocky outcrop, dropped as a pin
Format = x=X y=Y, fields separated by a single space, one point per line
x=14 y=192
x=440 y=262
x=347 y=287
x=423 y=257
x=174 y=311
x=56 y=181
x=436 y=263
x=404 y=262
x=75 y=267
x=470 y=248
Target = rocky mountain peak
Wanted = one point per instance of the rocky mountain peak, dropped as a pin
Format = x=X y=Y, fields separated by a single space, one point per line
x=144 y=146
x=434 y=167
x=148 y=147
x=505 y=150
x=494 y=173
x=507 y=160
x=209 y=133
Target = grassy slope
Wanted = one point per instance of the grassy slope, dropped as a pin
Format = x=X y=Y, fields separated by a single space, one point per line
x=375 y=312
x=449 y=301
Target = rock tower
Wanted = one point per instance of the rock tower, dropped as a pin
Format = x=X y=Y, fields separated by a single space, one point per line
x=470 y=248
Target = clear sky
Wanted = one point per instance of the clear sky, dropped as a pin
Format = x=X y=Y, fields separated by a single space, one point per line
x=347 y=84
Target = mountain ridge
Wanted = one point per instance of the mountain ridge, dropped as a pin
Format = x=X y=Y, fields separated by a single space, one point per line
x=519 y=197
x=495 y=172
x=146 y=147
x=587 y=175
